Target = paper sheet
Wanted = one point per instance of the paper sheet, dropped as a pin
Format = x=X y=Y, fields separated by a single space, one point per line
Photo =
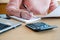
x=34 y=19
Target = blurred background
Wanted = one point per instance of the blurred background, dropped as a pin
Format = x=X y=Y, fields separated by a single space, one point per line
x=3 y=4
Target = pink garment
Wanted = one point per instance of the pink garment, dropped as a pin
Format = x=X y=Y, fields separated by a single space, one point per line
x=22 y=8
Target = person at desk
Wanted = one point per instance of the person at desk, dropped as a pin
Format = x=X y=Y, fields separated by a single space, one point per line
x=23 y=8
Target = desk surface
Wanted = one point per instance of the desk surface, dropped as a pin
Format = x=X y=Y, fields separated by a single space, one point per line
x=24 y=33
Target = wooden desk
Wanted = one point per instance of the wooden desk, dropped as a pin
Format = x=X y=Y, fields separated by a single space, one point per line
x=24 y=33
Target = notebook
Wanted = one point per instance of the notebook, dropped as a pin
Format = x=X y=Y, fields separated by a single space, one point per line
x=6 y=24
x=34 y=19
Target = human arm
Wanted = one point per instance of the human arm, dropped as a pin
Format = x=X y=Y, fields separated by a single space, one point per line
x=13 y=8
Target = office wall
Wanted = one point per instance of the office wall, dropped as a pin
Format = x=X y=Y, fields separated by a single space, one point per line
x=58 y=0
x=4 y=1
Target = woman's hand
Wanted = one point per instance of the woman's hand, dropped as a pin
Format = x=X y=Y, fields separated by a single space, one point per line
x=13 y=12
x=25 y=14
x=19 y=13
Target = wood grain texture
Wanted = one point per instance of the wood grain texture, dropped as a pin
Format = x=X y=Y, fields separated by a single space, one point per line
x=2 y=8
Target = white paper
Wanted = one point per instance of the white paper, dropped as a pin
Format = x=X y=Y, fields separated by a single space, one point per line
x=34 y=19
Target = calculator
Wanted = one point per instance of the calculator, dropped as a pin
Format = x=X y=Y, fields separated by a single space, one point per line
x=40 y=26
